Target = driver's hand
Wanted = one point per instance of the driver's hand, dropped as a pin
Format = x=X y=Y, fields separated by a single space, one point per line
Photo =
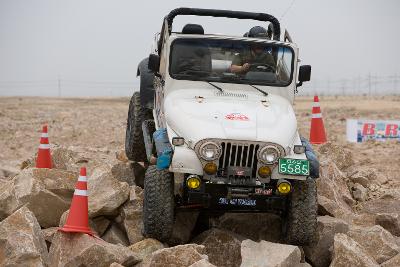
x=245 y=67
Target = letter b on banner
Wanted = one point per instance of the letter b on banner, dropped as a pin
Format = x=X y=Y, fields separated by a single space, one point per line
x=369 y=129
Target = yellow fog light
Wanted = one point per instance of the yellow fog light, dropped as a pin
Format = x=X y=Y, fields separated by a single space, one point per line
x=284 y=187
x=193 y=182
x=210 y=168
x=264 y=171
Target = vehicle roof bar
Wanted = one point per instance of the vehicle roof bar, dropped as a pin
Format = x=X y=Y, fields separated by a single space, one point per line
x=276 y=28
x=227 y=14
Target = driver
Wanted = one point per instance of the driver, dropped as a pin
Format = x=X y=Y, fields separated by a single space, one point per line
x=241 y=63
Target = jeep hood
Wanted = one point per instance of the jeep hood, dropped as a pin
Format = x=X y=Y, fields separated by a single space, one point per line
x=230 y=115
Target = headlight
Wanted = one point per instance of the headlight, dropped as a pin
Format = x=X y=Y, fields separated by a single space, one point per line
x=269 y=154
x=209 y=151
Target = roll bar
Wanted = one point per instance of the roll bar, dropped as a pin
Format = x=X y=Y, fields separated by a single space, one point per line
x=275 y=29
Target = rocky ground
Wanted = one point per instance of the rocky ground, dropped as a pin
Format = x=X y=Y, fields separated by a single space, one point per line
x=358 y=195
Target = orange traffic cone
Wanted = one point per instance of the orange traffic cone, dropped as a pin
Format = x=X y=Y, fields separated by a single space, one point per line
x=44 y=157
x=317 y=131
x=78 y=218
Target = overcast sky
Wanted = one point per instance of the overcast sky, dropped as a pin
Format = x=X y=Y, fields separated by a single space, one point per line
x=94 y=46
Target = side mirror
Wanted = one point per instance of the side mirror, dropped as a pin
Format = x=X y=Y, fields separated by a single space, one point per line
x=154 y=63
x=304 y=74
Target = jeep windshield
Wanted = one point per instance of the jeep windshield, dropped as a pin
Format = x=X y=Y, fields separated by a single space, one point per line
x=231 y=61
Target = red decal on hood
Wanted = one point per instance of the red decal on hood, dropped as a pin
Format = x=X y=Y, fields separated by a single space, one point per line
x=237 y=117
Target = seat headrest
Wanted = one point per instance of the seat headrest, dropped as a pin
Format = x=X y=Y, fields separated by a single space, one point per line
x=193 y=29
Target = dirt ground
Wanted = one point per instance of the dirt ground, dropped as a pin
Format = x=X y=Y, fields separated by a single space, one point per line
x=97 y=126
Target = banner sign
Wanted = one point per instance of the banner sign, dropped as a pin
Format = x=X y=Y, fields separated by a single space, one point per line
x=362 y=130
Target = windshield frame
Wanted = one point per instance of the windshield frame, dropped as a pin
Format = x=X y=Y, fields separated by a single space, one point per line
x=233 y=81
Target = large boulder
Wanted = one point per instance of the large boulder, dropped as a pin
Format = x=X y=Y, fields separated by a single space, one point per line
x=336 y=154
x=64 y=159
x=221 y=246
x=183 y=227
x=48 y=235
x=202 y=263
x=363 y=219
x=59 y=182
x=334 y=197
x=347 y=252
x=131 y=215
x=393 y=262
x=46 y=205
x=129 y=172
x=367 y=176
x=106 y=193
x=268 y=254
x=72 y=249
x=380 y=205
x=114 y=235
x=389 y=221
x=320 y=253
x=178 y=256
x=8 y=172
x=8 y=200
x=100 y=224
x=46 y=192
x=21 y=240
x=359 y=192
x=254 y=226
x=376 y=241
x=146 y=247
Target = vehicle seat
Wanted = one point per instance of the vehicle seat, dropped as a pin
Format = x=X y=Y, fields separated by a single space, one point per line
x=193 y=29
x=191 y=54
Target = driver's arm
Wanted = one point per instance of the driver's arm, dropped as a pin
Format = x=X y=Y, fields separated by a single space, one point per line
x=238 y=66
x=240 y=69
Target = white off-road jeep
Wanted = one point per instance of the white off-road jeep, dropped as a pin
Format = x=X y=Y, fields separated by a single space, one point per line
x=220 y=140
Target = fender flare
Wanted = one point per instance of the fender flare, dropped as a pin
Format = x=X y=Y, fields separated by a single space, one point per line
x=146 y=84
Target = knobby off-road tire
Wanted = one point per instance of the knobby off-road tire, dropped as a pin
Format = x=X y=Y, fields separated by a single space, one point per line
x=134 y=143
x=158 y=206
x=301 y=224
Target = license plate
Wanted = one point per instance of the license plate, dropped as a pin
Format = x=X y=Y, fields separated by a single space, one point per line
x=294 y=167
x=237 y=202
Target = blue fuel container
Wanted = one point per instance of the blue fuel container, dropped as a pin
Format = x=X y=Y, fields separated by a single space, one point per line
x=163 y=147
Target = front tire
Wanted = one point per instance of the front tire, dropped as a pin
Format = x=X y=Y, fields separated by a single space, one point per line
x=301 y=224
x=158 y=206
x=134 y=142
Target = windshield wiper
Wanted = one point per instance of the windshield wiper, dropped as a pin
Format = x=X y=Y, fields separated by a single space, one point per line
x=216 y=86
x=258 y=89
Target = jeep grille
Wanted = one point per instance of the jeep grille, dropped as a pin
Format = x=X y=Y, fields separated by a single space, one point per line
x=237 y=163
x=238 y=155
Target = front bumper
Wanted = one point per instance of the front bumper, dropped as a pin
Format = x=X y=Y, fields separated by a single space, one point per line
x=222 y=197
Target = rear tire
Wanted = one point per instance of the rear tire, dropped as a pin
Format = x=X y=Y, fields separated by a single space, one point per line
x=158 y=206
x=301 y=224
x=134 y=142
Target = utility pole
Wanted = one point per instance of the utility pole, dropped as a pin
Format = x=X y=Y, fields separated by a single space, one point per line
x=59 y=86
x=343 y=87
x=369 y=84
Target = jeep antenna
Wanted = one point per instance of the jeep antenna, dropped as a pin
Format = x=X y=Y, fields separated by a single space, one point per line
x=287 y=9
